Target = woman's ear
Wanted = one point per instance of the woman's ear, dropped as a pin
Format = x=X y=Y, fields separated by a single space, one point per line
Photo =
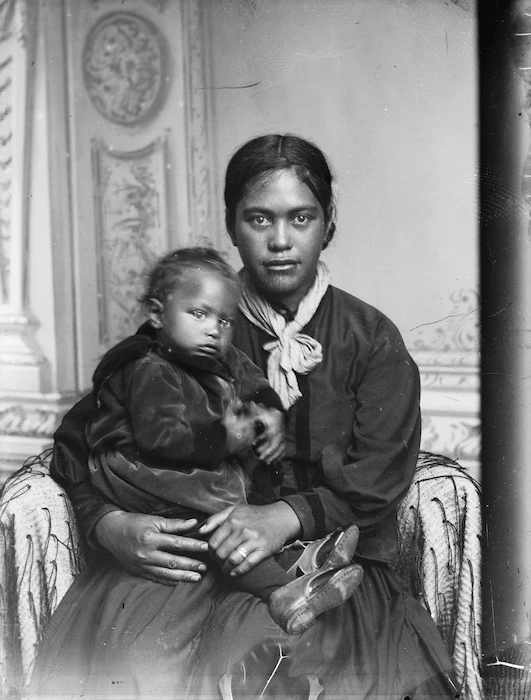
x=229 y=225
x=329 y=234
x=330 y=225
x=154 y=309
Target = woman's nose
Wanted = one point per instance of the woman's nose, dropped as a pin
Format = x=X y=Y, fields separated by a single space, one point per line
x=280 y=238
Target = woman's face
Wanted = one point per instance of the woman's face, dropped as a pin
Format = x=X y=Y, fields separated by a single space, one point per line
x=280 y=230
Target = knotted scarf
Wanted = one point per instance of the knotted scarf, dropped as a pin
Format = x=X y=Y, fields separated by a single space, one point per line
x=290 y=351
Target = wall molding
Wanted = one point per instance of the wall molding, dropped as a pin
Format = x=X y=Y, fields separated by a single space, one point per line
x=27 y=425
x=33 y=414
x=202 y=192
x=22 y=420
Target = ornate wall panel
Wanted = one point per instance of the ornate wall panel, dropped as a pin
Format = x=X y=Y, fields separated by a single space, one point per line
x=126 y=144
x=140 y=137
x=447 y=353
x=132 y=230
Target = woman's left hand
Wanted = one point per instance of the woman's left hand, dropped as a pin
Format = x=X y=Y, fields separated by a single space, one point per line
x=249 y=534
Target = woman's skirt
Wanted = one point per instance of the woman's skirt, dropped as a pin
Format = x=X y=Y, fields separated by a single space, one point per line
x=119 y=636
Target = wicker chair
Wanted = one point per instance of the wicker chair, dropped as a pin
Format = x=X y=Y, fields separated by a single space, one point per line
x=439 y=530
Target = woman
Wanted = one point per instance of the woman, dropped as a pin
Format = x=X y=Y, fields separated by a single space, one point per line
x=352 y=395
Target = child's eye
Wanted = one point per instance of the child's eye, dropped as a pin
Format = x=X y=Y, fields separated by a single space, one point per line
x=225 y=322
x=198 y=314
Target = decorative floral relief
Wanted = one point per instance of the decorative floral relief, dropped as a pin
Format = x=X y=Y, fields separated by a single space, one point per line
x=444 y=378
x=456 y=332
x=131 y=230
x=455 y=438
x=124 y=68
x=32 y=422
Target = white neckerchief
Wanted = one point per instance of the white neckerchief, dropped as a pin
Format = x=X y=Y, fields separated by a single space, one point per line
x=291 y=351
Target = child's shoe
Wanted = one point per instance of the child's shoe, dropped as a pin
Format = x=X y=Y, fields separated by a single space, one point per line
x=331 y=552
x=296 y=605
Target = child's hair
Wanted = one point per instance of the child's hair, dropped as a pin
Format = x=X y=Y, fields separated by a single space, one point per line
x=169 y=270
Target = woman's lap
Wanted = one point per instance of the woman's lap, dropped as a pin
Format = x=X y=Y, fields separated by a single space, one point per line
x=379 y=644
x=150 y=640
x=118 y=635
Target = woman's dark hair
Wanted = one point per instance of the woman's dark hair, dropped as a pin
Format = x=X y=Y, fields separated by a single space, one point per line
x=271 y=153
x=169 y=270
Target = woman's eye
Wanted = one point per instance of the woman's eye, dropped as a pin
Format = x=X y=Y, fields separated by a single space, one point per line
x=301 y=219
x=198 y=314
x=259 y=220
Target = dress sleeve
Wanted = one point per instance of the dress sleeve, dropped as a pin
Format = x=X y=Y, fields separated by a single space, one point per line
x=364 y=483
x=169 y=422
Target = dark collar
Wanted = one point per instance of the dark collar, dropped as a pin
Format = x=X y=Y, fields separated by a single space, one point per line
x=146 y=340
x=204 y=364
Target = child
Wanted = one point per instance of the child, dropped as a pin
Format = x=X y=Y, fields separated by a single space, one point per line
x=175 y=428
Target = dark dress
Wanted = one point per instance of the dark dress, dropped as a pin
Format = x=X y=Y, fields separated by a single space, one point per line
x=122 y=635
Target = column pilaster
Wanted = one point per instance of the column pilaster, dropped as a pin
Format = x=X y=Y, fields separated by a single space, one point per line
x=30 y=405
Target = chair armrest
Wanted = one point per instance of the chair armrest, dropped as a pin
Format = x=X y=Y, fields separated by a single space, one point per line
x=42 y=550
x=439 y=523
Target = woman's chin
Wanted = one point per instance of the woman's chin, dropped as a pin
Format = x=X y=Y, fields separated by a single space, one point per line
x=285 y=286
x=280 y=280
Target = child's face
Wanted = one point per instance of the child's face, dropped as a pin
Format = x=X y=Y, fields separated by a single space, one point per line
x=198 y=316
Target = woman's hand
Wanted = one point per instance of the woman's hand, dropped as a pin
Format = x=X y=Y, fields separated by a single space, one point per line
x=260 y=530
x=151 y=546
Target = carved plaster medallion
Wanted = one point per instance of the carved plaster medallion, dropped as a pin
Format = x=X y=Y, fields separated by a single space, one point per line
x=124 y=68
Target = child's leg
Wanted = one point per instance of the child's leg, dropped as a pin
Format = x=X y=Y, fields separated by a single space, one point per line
x=336 y=550
x=263 y=579
x=295 y=601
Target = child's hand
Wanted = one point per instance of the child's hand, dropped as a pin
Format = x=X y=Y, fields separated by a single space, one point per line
x=240 y=427
x=270 y=444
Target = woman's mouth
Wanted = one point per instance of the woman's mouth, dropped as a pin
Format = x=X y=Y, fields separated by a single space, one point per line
x=280 y=265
